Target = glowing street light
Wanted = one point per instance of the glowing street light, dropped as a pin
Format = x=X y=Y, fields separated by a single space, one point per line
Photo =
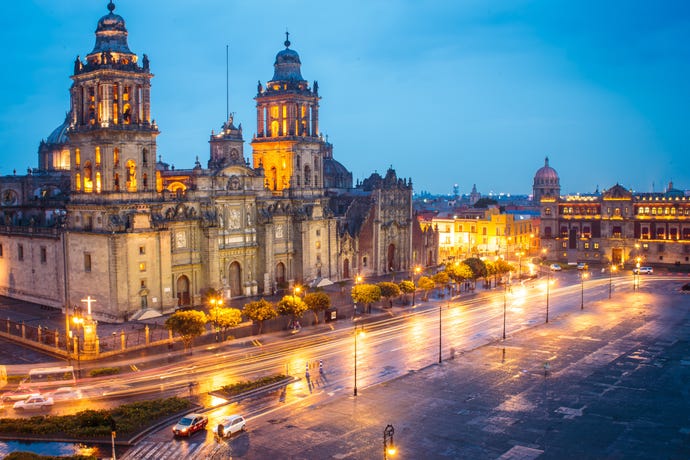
x=583 y=276
x=388 y=445
x=612 y=268
x=358 y=279
x=417 y=271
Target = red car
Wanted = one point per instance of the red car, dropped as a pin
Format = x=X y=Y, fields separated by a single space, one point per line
x=190 y=424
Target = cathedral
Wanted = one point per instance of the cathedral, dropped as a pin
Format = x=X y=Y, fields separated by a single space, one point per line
x=103 y=216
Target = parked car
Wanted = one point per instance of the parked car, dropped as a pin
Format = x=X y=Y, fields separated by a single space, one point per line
x=643 y=270
x=34 y=402
x=555 y=268
x=190 y=424
x=231 y=425
x=582 y=266
x=18 y=394
x=65 y=394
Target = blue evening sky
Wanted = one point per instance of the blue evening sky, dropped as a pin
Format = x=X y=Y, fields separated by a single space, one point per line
x=455 y=91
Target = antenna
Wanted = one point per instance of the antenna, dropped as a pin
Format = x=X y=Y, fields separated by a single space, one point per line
x=227 y=83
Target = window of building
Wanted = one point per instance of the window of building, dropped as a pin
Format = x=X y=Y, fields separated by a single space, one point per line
x=318 y=245
x=318 y=232
x=98 y=156
x=645 y=246
x=142 y=266
x=596 y=245
x=564 y=245
x=142 y=283
x=586 y=245
x=0 y=250
x=44 y=255
x=87 y=262
x=20 y=252
x=659 y=248
x=142 y=250
x=364 y=261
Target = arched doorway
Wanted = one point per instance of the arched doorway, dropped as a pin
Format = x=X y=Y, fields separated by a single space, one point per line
x=235 y=277
x=346 y=268
x=183 y=297
x=391 y=257
x=280 y=274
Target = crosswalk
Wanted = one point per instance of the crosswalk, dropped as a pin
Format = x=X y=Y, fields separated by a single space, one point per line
x=178 y=451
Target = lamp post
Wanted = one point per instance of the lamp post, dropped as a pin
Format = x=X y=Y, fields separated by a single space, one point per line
x=358 y=279
x=358 y=331
x=583 y=275
x=78 y=321
x=440 y=316
x=636 y=274
x=216 y=302
x=505 y=289
x=519 y=254
x=416 y=272
x=388 y=445
x=612 y=268
x=548 y=282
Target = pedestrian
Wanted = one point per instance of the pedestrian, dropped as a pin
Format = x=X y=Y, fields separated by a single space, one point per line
x=320 y=366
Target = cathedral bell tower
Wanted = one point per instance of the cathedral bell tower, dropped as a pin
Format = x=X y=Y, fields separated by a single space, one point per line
x=287 y=143
x=111 y=136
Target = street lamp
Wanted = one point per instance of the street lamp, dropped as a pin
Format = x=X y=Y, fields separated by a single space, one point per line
x=417 y=271
x=358 y=279
x=505 y=289
x=583 y=276
x=78 y=321
x=215 y=302
x=612 y=268
x=440 y=308
x=358 y=331
x=519 y=254
x=548 y=282
x=636 y=273
x=388 y=445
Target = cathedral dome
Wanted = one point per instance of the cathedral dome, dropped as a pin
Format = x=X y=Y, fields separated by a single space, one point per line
x=546 y=175
x=59 y=134
x=287 y=65
x=111 y=33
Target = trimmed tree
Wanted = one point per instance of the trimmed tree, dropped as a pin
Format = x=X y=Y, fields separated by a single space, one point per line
x=406 y=287
x=366 y=294
x=317 y=302
x=291 y=305
x=225 y=318
x=426 y=284
x=389 y=290
x=188 y=325
x=441 y=279
x=477 y=266
x=260 y=311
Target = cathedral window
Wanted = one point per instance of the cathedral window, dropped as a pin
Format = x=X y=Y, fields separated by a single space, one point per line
x=87 y=262
x=159 y=182
x=116 y=182
x=142 y=266
x=44 y=255
x=88 y=178
x=144 y=155
x=274 y=128
x=131 y=176
x=299 y=162
x=98 y=156
x=98 y=182
x=20 y=252
x=77 y=181
x=145 y=181
x=307 y=175
x=116 y=157
x=274 y=178
x=77 y=157
x=127 y=113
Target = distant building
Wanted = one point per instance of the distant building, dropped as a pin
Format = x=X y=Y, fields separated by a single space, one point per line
x=101 y=217
x=546 y=183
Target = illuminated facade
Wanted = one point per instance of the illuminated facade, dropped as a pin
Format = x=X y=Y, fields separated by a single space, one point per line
x=618 y=227
x=102 y=217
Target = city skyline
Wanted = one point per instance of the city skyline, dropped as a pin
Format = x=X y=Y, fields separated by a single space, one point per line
x=489 y=90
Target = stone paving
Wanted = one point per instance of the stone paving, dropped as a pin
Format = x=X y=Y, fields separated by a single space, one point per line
x=616 y=388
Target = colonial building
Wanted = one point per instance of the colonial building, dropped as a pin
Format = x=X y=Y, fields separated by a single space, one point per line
x=618 y=226
x=101 y=217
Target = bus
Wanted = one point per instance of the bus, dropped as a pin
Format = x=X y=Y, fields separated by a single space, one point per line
x=49 y=378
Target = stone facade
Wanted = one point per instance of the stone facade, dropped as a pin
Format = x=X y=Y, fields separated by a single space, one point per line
x=101 y=217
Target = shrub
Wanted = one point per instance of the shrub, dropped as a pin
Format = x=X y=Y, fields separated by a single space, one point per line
x=242 y=387
x=104 y=371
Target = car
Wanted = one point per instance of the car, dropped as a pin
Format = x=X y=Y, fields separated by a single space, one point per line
x=190 y=424
x=34 y=402
x=555 y=268
x=65 y=394
x=231 y=425
x=17 y=395
x=582 y=266
x=643 y=270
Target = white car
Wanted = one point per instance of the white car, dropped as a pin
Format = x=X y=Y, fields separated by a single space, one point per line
x=65 y=394
x=34 y=402
x=643 y=270
x=555 y=268
x=230 y=425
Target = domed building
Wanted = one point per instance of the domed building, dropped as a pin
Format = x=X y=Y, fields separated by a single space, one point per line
x=546 y=183
x=104 y=217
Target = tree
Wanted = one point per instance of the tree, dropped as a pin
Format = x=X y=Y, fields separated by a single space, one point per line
x=366 y=294
x=426 y=284
x=224 y=318
x=502 y=267
x=260 y=311
x=317 y=302
x=441 y=279
x=477 y=266
x=389 y=290
x=188 y=325
x=406 y=287
x=292 y=305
